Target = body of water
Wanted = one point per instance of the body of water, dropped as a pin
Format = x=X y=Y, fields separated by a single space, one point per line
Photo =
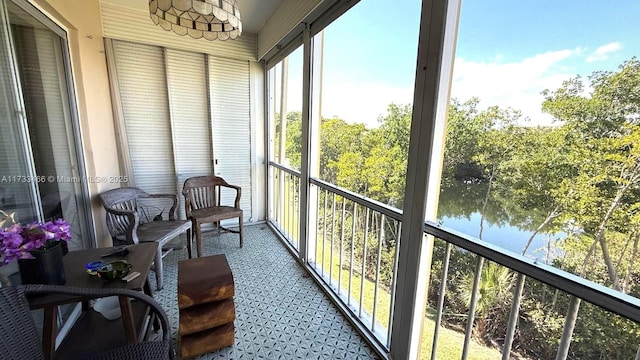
x=506 y=236
x=459 y=209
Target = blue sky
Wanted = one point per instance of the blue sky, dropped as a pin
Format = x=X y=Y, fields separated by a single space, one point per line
x=507 y=52
x=522 y=28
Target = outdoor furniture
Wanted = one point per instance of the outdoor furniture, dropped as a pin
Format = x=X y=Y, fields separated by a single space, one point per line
x=127 y=330
x=123 y=222
x=205 y=303
x=20 y=338
x=202 y=195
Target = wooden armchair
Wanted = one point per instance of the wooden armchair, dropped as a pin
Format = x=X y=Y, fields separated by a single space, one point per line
x=203 y=205
x=123 y=222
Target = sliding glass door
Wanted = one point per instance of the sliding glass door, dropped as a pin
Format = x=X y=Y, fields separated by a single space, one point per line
x=17 y=197
x=41 y=172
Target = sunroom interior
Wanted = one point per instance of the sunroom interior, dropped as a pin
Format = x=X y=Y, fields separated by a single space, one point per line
x=97 y=96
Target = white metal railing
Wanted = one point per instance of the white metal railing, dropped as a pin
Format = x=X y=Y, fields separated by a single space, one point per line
x=285 y=203
x=352 y=270
x=577 y=287
x=354 y=253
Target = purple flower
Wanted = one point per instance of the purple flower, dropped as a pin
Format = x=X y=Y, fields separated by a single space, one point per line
x=11 y=237
x=17 y=242
x=60 y=228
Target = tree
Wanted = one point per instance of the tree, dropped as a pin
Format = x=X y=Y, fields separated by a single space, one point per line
x=386 y=163
x=337 y=138
x=495 y=146
x=603 y=127
x=464 y=128
x=537 y=178
x=294 y=139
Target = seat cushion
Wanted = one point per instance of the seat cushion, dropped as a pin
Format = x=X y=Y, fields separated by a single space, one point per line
x=162 y=231
x=215 y=213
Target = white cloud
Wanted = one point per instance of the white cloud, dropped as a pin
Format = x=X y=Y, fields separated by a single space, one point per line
x=602 y=53
x=517 y=84
x=362 y=102
x=354 y=102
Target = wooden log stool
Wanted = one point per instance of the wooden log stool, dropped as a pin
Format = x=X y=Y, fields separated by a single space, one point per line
x=205 y=303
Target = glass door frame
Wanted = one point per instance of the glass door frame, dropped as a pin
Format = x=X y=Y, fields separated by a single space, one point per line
x=85 y=214
x=15 y=94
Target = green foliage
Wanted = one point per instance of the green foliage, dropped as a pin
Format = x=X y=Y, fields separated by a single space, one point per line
x=338 y=138
x=464 y=128
x=294 y=139
x=493 y=289
x=371 y=162
x=579 y=178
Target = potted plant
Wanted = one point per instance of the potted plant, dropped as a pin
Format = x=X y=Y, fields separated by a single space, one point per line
x=38 y=247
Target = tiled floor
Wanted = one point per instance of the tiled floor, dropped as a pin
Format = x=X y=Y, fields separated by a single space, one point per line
x=280 y=313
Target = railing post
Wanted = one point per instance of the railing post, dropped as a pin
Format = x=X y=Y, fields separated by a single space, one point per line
x=352 y=254
x=363 y=269
x=513 y=318
x=342 y=222
x=472 y=307
x=569 y=324
x=443 y=289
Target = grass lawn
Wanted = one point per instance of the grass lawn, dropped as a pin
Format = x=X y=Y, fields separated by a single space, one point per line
x=450 y=342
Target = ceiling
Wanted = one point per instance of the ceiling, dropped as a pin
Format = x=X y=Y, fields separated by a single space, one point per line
x=254 y=13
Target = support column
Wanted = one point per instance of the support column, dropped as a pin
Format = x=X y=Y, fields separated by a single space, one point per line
x=311 y=105
x=436 y=45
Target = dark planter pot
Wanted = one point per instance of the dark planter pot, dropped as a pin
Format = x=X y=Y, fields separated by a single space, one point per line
x=46 y=267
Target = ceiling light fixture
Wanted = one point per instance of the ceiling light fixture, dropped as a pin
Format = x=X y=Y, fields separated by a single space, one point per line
x=209 y=19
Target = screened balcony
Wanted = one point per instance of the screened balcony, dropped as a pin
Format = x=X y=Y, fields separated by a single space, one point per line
x=342 y=219
x=154 y=108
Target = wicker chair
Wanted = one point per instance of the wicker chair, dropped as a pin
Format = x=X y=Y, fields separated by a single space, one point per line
x=123 y=222
x=20 y=339
x=203 y=205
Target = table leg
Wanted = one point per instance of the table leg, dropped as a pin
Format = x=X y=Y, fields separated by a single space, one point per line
x=50 y=327
x=155 y=320
x=127 y=319
x=147 y=288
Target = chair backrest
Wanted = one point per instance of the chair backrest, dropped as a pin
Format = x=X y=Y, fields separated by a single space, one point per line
x=202 y=192
x=144 y=350
x=20 y=339
x=125 y=198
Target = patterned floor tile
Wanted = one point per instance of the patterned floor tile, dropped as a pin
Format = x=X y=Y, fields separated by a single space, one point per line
x=280 y=313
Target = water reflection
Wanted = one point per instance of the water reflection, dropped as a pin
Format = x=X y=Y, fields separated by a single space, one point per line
x=460 y=208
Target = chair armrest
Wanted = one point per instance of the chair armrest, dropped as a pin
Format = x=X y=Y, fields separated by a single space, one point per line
x=238 y=190
x=131 y=226
x=94 y=293
x=174 y=206
x=187 y=203
x=120 y=212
